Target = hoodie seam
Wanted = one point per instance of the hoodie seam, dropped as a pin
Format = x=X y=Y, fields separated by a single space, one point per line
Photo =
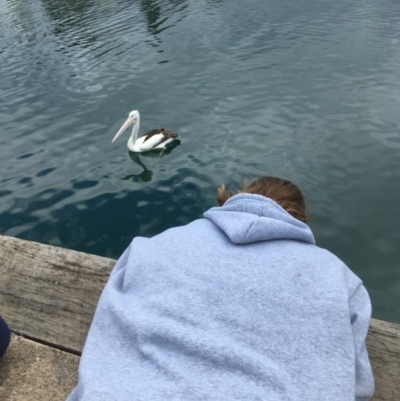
x=267 y=200
x=245 y=234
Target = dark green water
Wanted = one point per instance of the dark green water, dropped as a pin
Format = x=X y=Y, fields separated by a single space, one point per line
x=305 y=90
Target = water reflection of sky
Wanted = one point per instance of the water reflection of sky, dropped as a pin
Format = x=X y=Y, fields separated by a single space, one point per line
x=304 y=90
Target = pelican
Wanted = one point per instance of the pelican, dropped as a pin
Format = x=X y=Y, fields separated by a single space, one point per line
x=155 y=139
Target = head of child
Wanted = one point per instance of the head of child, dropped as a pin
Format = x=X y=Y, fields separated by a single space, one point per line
x=283 y=192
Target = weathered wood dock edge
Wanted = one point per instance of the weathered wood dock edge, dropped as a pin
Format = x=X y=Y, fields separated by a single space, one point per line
x=48 y=296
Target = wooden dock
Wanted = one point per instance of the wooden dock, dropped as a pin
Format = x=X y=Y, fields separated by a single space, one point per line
x=48 y=296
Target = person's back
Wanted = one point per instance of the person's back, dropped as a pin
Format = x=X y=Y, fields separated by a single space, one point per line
x=240 y=305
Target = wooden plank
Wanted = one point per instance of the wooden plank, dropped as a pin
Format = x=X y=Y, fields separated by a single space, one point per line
x=50 y=294
x=383 y=343
x=30 y=371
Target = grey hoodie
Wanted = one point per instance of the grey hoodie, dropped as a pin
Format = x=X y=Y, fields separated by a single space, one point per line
x=240 y=305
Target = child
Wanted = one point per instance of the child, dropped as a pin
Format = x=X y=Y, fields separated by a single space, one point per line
x=240 y=305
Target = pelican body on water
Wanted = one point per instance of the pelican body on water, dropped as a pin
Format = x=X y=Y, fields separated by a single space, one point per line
x=155 y=139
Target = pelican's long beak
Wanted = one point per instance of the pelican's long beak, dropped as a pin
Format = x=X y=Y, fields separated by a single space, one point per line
x=126 y=124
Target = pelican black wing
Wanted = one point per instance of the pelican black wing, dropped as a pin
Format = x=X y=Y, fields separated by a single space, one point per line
x=166 y=135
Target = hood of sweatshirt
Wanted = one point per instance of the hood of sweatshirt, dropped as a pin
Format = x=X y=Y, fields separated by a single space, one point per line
x=247 y=218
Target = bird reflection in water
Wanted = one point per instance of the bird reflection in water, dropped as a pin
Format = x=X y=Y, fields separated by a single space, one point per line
x=146 y=175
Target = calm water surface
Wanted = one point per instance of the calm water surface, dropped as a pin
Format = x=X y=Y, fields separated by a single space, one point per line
x=305 y=90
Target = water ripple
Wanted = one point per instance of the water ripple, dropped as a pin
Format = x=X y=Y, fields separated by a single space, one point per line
x=303 y=90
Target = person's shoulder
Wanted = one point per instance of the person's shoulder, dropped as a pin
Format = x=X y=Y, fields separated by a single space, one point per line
x=351 y=278
x=194 y=228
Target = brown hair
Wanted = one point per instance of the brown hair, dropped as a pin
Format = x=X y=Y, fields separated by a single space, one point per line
x=283 y=192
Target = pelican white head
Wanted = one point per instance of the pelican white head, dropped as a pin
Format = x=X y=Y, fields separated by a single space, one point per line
x=133 y=118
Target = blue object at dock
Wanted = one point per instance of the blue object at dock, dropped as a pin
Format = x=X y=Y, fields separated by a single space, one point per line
x=4 y=336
